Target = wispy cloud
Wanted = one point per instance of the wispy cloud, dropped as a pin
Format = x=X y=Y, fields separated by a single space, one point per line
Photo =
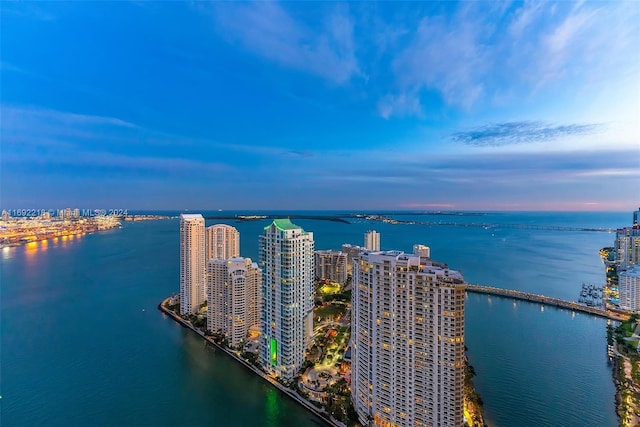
x=82 y=163
x=266 y=29
x=403 y=104
x=72 y=141
x=523 y=132
x=31 y=10
x=17 y=117
x=446 y=55
x=483 y=53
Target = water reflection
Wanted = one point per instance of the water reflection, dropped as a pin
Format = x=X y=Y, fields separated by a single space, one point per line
x=272 y=407
x=40 y=246
x=31 y=249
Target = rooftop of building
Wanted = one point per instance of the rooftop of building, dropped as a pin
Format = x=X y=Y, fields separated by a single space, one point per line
x=329 y=252
x=422 y=264
x=191 y=216
x=222 y=226
x=284 y=224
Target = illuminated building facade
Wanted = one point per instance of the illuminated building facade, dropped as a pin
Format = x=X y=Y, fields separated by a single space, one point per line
x=331 y=265
x=627 y=247
x=233 y=303
x=223 y=242
x=372 y=240
x=352 y=252
x=408 y=341
x=629 y=287
x=192 y=263
x=422 y=251
x=286 y=259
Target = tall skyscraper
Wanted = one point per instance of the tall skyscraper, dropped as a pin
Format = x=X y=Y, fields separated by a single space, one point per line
x=629 y=287
x=233 y=303
x=286 y=258
x=223 y=242
x=331 y=265
x=192 y=263
x=408 y=341
x=636 y=217
x=352 y=252
x=627 y=247
x=372 y=240
x=422 y=251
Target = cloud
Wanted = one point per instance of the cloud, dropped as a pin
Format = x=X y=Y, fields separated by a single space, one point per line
x=82 y=163
x=522 y=132
x=512 y=169
x=403 y=104
x=23 y=118
x=484 y=54
x=77 y=144
x=266 y=29
x=445 y=55
x=480 y=180
x=300 y=153
x=30 y=10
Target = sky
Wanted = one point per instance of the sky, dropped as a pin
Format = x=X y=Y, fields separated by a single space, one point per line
x=320 y=105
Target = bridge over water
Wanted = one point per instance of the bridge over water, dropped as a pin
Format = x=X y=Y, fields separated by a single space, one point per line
x=556 y=302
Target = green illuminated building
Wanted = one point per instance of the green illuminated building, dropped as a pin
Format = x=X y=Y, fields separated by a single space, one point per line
x=287 y=262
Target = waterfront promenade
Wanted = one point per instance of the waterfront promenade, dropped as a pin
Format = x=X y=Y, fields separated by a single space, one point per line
x=293 y=395
x=542 y=299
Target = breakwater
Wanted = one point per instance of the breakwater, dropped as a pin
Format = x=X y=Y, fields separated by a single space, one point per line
x=542 y=299
x=331 y=218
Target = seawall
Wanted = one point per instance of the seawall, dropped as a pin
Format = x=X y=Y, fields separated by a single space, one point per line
x=291 y=394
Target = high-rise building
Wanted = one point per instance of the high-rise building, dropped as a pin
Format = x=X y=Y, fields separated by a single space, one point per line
x=408 y=341
x=223 y=242
x=629 y=287
x=233 y=303
x=192 y=263
x=372 y=240
x=627 y=247
x=5 y=215
x=422 y=251
x=352 y=252
x=286 y=259
x=636 y=217
x=331 y=265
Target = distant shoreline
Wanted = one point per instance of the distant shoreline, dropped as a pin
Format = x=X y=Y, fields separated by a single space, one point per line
x=24 y=231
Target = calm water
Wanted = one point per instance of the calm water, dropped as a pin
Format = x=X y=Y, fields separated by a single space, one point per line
x=83 y=342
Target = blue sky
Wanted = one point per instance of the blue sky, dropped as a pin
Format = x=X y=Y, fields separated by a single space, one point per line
x=320 y=105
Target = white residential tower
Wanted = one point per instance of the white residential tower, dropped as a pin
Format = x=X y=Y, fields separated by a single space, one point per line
x=286 y=259
x=408 y=341
x=192 y=263
x=223 y=242
x=233 y=303
x=372 y=240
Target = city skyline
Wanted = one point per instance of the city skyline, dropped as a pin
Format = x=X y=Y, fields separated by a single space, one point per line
x=494 y=106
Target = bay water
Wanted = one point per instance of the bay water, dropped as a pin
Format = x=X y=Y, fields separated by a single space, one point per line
x=82 y=341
